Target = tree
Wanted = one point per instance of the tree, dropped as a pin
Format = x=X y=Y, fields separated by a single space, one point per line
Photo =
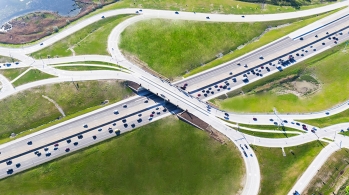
x=55 y=28
x=347 y=190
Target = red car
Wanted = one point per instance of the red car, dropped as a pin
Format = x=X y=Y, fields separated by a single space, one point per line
x=199 y=95
x=56 y=145
x=151 y=115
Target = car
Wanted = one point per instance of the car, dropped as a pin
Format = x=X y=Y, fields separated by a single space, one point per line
x=85 y=126
x=30 y=143
x=245 y=146
x=327 y=113
x=41 y=43
x=80 y=136
x=230 y=73
x=209 y=88
x=234 y=79
x=133 y=125
x=125 y=125
x=56 y=145
x=9 y=162
x=285 y=121
x=140 y=10
x=261 y=57
x=312 y=131
x=18 y=165
x=46 y=148
x=139 y=120
x=125 y=106
x=137 y=12
x=218 y=89
x=297 y=124
x=68 y=141
x=103 y=17
x=116 y=112
x=326 y=33
x=329 y=38
x=36 y=152
x=242 y=16
x=48 y=153
x=94 y=137
x=323 y=43
x=245 y=66
x=203 y=91
x=76 y=143
x=208 y=91
x=316 y=36
x=314 y=49
x=226 y=114
x=301 y=39
x=212 y=92
x=114 y=124
x=305 y=128
x=245 y=153
x=67 y=149
x=150 y=118
x=176 y=12
x=268 y=69
x=124 y=120
x=199 y=95
x=164 y=110
x=255 y=119
x=340 y=33
x=244 y=75
x=276 y=123
x=335 y=42
x=145 y=101
x=207 y=17
x=151 y=115
x=9 y=171
x=185 y=84
x=271 y=119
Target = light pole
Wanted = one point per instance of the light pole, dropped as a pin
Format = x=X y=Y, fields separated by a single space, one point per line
x=281 y=122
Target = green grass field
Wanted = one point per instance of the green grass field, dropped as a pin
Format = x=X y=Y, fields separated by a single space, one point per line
x=330 y=69
x=11 y=74
x=165 y=157
x=280 y=173
x=172 y=47
x=28 y=109
x=267 y=134
x=342 y=117
x=89 y=40
x=270 y=127
x=84 y=68
x=268 y=37
x=332 y=175
x=30 y=76
x=4 y=59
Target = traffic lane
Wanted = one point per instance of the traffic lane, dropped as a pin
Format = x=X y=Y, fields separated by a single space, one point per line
x=308 y=39
x=90 y=137
x=265 y=68
x=94 y=120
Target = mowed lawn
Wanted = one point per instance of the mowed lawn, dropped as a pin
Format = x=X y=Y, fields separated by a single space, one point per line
x=11 y=74
x=173 y=47
x=333 y=174
x=89 y=40
x=280 y=173
x=31 y=76
x=164 y=157
x=28 y=109
x=330 y=69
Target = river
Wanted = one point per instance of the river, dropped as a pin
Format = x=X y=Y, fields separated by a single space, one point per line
x=13 y=8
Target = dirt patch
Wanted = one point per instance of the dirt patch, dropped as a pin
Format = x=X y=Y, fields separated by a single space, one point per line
x=35 y=26
x=304 y=87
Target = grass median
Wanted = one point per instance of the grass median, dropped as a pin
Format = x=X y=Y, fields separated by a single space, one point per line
x=174 y=47
x=4 y=59
x=268 y=134
x=89 y=40
x=84 y=68
x=11 y=74
x=164 y=157
x=31 y=76
x=280 y=173
x=333 y=177
x=29 y=110
x=342 y=117
x=330 y=70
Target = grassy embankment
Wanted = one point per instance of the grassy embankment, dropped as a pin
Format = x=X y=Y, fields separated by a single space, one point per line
x=181 y=46
x=84 y=68
x=333 y=177
x=329 y=68
x=342 y=117
x=165 y=157
x=268 y=37
x=28 y=109
x=280 y=173
x=267 y=134
x=89 y=40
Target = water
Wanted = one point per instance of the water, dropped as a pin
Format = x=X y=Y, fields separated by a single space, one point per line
x=13 y=8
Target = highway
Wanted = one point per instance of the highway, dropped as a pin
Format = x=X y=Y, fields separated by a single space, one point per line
x=170 y=92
